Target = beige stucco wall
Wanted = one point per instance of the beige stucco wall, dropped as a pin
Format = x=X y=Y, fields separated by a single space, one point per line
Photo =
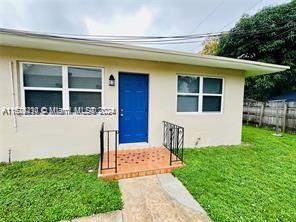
x=46 y=136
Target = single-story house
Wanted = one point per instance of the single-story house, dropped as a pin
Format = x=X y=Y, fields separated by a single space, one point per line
x=137 y=87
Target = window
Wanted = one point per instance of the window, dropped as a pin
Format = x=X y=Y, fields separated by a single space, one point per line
x=61 y=86
x=187 y=103
x=85 y=87
x=42 y=85
x=188 y=92
x=199 y=94
x=38 y=98
x=42 y=75
x=85 y=99
x=85 y=78
x=212 y=94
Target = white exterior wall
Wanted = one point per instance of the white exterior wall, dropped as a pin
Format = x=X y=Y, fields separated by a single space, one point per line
x=48 y=136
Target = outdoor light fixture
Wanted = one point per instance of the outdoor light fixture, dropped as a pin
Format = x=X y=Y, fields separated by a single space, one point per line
x=111 y=80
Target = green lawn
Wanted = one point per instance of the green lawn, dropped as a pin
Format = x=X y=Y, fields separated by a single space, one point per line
x=55 y=189
x=255 y=181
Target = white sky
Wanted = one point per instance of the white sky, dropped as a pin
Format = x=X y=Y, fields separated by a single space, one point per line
x=129 y=17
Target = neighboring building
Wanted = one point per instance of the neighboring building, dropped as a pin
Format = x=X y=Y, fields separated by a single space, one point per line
x=288 y=97
x=204 y=94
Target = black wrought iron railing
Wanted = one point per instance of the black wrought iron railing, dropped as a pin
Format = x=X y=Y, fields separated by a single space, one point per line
x=173 y=140
x=108 y=157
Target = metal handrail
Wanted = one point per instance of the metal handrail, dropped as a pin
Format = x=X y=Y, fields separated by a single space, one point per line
x=102 y=149
x=173 y=140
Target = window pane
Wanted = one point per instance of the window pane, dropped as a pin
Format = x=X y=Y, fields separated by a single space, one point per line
x=212 y=85
x=187 y=104
x=188 y=84
x=85 y=78
x=211 y=103
x=42 y=75
x=37 y=98
x=85 y=99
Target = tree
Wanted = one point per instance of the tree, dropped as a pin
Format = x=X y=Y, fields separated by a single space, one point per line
x=268 y=36
x=210 y=47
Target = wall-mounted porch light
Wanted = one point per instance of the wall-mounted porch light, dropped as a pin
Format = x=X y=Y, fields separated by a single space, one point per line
x=111 y=80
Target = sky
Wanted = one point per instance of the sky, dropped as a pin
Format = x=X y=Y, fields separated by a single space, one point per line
x=129 y=17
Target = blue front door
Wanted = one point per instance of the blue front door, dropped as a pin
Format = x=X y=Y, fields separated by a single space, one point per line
x=133 y=108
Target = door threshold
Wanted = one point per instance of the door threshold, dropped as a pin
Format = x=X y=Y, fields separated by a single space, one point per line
x=141 y=145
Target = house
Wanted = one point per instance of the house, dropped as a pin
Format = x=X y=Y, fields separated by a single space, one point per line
x=138 y=88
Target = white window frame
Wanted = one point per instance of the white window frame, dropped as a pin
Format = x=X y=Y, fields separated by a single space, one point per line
x=200 y=95
x=65 y=90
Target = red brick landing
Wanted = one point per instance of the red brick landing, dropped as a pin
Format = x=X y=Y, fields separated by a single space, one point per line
x=138 y=162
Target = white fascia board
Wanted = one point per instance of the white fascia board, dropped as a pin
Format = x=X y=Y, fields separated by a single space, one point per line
x=251 y=68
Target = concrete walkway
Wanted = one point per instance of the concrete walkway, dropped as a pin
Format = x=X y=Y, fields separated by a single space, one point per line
x=157 y=198
x=115 y=216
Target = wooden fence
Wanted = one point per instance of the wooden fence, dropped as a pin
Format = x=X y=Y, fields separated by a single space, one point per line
x=277 y=114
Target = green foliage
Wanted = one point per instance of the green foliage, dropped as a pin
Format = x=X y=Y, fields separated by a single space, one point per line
x=210 y=47
x=55 y=189
x=255 y=181
x=268 y=36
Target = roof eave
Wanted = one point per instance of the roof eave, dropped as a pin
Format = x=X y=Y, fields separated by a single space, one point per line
x=35 y=41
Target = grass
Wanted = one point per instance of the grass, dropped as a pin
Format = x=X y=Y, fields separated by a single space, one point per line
x=55 y=189
x=255 y=181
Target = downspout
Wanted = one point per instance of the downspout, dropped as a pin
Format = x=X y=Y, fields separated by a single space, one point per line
x=12 y=94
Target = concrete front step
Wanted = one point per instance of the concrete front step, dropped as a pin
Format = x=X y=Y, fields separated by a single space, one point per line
x=148 y=172
x=138 y=162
